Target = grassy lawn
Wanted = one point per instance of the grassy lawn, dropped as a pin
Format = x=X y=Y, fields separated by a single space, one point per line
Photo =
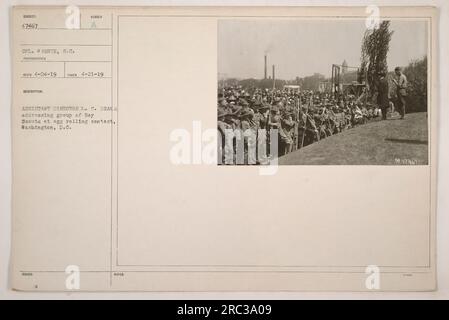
x=389 y=142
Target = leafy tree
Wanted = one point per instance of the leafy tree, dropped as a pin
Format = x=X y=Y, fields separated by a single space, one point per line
x=375 y=46
x=416 y=73
x=312 y=82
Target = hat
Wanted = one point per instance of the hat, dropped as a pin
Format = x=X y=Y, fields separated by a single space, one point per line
x=222 y=113
x=263 y=106
x=274 y=109
x=236 y=109
x=287 y=112
x=245 y=113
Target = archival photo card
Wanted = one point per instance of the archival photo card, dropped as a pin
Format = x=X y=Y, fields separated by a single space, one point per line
x=224 y=148
x=323 y=91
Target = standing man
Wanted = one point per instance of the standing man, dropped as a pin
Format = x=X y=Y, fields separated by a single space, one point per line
x=401 y=89
x=383 y=94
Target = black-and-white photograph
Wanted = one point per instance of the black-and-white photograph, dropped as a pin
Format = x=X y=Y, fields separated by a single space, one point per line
x=323 y=92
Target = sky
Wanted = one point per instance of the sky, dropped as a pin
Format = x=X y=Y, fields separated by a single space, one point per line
x=304 y=47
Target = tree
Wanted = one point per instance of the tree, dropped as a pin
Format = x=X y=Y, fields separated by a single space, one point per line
x=416 y=73
x=312 y=82
x=375 y=46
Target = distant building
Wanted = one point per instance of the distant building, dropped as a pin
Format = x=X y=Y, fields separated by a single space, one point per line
x=292 y=88
x=344 y=67
x=324 y=86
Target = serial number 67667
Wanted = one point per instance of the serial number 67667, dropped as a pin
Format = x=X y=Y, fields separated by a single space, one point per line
x=245 y=309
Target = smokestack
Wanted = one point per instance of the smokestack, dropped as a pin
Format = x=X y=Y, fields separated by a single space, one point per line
x=265 y=68
x=274 y=77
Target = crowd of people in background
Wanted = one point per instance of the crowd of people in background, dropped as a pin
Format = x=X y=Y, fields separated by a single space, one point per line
x=300 y=117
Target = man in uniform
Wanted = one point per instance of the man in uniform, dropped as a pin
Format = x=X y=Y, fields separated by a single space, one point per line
x=401 y=90
x=302 y=120
x=286 y=132
x=249 y=136
x=261 y=121
x=320 y=118
x=225 y=147
x=383 y=94
x=312 y=133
